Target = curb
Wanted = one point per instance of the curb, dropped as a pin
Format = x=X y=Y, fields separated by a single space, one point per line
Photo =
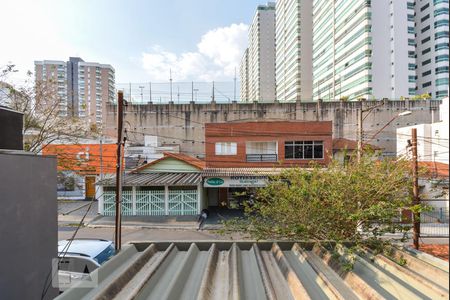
x=154 y=226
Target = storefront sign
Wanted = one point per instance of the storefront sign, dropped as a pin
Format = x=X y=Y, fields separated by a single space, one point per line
x=236 y=181
x=214 y=181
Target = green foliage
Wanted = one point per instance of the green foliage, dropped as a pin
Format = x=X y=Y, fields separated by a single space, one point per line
x=340 y=203
x=344 y=98
x=422 y=97
x=402 y=261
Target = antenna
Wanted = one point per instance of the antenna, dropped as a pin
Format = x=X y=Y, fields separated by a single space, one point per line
x=213 y=99
x=170 y=70
x=234 y=97
x=150 y=86
x=178 y=94
x=192 y=91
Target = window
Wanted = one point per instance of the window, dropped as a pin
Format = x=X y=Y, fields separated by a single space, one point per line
x=425 y=18
x=303 y=150
x=441 y=70
x=425 y=7
x=426 y=62
x=426 y=51
x=440 y=94
x=425 y=40
x=441 y=58
x=426 y=73
x=440 y=46
x=440 y=23
x=226 y=148
x=441 y=11
x=412 y=67
x=411 y=42
x=425 y=28
x=426 y=84
x=442 y=81
x=442 y=34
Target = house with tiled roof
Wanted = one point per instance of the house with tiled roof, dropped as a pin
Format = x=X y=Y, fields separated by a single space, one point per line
x=170 y=186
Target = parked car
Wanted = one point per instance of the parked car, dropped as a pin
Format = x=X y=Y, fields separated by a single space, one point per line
x=79 y=257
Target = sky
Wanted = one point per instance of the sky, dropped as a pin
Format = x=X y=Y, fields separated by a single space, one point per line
x=199 y=40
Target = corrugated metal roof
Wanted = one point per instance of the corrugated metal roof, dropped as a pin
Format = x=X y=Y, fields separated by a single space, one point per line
x=212 y=172
x=155 y=179
x=263 y=270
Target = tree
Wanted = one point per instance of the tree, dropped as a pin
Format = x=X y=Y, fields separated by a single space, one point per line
x=424 y=96
x=340 y=203
x=44 y=121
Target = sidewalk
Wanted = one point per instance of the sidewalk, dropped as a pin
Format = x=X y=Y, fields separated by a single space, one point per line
x=158 y=222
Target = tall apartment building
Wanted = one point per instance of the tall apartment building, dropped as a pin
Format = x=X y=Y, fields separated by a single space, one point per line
x=363 y=49
x=257 y=70
x=83 y=88
x=54 y=72
x=380 y=49
x=243 y=75
x=293 y=59
x=432 y=30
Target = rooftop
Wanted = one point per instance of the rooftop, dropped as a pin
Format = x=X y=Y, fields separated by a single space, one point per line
x=263 y=270
x=435 y=169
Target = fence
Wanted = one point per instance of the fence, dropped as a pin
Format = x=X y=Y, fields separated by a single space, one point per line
x=434 y=223
x=152 y=203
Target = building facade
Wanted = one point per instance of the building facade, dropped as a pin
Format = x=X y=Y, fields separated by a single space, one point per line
x=293 y=51
x=267 y=144
x=243 y=76
x=363 y=49
x=432 y=42
x=80 y=166
x=432 y=138
x=259 y=59
x=83 y=88
x=183 y=124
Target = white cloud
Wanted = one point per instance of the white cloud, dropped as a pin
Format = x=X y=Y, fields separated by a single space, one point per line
x=218 y=54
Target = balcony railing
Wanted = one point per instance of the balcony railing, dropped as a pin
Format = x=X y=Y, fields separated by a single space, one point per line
x=262 y=157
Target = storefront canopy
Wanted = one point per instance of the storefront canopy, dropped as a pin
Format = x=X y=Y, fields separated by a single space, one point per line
x=155 y=179
x=263 y=172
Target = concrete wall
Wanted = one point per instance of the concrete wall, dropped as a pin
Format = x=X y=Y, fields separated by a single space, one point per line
x=28 y=228
x=183 y=124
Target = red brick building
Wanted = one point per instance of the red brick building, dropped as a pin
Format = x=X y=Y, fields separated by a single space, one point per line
x=267 y=144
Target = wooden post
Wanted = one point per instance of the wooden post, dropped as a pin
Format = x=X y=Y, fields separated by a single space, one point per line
x=416 y=199
x=118 y=219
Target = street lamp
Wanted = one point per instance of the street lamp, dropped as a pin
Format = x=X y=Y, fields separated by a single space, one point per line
x=360 y=126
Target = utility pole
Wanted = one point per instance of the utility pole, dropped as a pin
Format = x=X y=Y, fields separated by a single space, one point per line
x=360 y=133
x=118 y=224
x=416 y=199
x=101 y=158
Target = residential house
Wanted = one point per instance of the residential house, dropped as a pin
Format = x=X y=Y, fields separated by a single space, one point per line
x=81 y=165
x=241 y=156
x=171 y=186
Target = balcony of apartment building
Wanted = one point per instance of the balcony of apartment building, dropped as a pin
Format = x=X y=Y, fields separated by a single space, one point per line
x=266 y=151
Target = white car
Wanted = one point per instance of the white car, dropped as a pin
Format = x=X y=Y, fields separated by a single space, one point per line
x=79 y=257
